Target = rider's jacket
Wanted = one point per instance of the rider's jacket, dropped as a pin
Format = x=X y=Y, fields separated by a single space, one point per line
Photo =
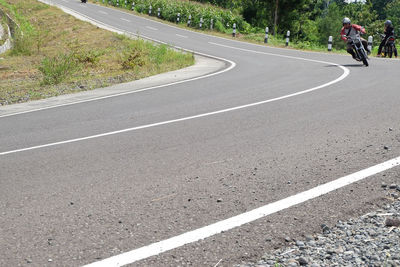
x=352 y=31
x=389 y=31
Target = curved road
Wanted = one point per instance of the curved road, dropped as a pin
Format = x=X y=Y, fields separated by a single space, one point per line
x=105 y=177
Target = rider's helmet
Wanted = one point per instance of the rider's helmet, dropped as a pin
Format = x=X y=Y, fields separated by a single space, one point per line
x=346 y=21
x=388 y=23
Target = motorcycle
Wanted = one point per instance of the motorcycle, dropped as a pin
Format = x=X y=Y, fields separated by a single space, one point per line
x=83 y=1
x=358 y=48
x=389 y=46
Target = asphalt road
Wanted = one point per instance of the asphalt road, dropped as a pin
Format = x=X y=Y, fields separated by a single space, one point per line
x=79 y=202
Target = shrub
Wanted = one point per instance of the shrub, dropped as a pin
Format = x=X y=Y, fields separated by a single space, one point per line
x=57 y=69
x=134 y=59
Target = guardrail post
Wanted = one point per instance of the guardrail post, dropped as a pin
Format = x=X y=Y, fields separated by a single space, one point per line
x=189 y=20
x=266 y=35
x=330 y=43
x=370 y=40
x=211 y=24
x=287 y=38
x=201 y=22
x=234 y=30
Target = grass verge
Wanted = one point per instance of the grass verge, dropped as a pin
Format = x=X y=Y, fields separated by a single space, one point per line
x=56 y=54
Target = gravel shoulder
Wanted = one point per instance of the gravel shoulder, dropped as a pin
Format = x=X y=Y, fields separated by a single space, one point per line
x=370 y=240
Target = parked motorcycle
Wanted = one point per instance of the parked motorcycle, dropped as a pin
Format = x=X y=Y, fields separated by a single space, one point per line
x=389 y=46
x=358 y=48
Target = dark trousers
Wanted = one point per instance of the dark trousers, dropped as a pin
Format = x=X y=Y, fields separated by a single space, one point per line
x=383 y=43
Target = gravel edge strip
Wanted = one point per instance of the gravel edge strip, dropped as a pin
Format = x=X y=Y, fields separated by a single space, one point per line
x=372 y=240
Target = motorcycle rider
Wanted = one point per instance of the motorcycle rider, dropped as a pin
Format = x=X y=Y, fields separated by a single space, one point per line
x=351 y=30
x=388 y=31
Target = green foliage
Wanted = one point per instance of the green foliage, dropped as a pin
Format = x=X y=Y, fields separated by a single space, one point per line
x=23 y=44
x=393 y=13
x=88 y=56
x=59 y=68
x=171 y=8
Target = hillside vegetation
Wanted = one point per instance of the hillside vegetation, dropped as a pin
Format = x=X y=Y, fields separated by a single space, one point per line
x=54 y=54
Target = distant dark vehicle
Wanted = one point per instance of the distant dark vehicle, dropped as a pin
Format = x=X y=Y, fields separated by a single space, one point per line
x=361 y=54
x=389 y=47
x=83 y=1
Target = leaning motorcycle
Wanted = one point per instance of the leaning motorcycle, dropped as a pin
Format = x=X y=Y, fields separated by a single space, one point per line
x=358 y=48
x=389 y=47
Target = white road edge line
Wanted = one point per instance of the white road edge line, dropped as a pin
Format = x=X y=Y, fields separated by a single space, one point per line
x=344 y=75
x=247 y=217
x=127 y=20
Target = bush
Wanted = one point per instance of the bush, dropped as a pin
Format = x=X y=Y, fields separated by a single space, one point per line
x=23 y=45
x=134 y=59
x=57 y=69
x=88 y=57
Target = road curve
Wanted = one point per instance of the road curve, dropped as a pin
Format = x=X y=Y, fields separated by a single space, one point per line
x=89 y=181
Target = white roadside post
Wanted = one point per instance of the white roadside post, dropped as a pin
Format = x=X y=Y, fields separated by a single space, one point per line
x=133 y=5
x=370 y=40
x=150 y=8
x=287 y=38
x=330 y=43
x=234 y=30
x=117 y=3
x=158 y=12
x=178 y=18
x=189 y=20
x=266 y=35
x=126 y=3
x=211 y=24
x=201 y=22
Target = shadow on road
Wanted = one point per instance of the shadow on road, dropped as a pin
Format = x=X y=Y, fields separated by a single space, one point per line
x=347 y=65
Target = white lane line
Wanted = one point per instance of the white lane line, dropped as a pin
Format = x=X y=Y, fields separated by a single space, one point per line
x=127 y=20
x=278 y=55
x=151 y=28
x=103 y=12
x=179 y=35
x=241 y=219
x=344 y=75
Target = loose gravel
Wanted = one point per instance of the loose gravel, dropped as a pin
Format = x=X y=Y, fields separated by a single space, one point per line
x=370 y=240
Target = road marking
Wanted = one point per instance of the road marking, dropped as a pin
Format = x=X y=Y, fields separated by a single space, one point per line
x=103 y=12
x=241 y=219
x=344 y=75
x=278 y=55
x=127 y=20
x=151 y=28
x=179 y=35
